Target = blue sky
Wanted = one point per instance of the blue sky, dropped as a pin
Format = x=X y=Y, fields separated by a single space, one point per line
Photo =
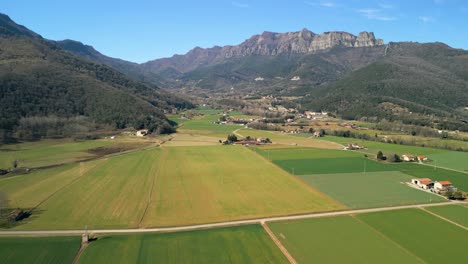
x=142 y=30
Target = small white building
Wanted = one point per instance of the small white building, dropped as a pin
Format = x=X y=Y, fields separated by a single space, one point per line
x=408 y=157
x=444 y=186
x=142 y=132
x=424 y=183
x=296 y=78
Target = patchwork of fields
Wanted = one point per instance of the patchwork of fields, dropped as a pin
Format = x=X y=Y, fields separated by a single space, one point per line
x=192 y=179
x=351 y=178
x=247 y=244
x=161 y=187
x=402 y=236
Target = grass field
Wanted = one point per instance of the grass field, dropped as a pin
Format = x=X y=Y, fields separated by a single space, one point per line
x=456 y=213
x=290 y=139
x=47 y=152
x=60 y=151
x=38 y=250
x=109 y=193
x=211 y=184
x=450 y=159
x=332 y=165
x=191 y=185
x=247 y=244
x=371 y=189
x=428 y=237
x=459 y=179
x=181 y=139
x=387 y=148
x=340 y=239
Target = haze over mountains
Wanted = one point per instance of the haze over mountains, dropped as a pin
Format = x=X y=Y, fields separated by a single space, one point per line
x=352 y=76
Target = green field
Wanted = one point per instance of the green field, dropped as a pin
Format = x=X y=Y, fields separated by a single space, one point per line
x=387 y=148
x=456 y=213
x=247 y=244
x=332 y=165
x=47 y=152
x=459 y=179
x=424 y=235
x=340 y=239
x=371 y=189
x=60 y=151
x=450 y=159
x=301 y=153
x=38 y=250
x=191 y=185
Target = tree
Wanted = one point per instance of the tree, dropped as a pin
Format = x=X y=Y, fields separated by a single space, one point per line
x=311 y=130
x=232 y=138
x=14 y=164
x=458 y=195
x=380 y=155
x=396 y=158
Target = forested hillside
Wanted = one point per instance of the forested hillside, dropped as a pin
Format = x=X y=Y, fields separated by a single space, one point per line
x=40 y=82
x=429 y=79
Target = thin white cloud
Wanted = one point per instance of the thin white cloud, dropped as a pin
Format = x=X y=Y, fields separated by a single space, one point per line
x=375 y=14
x=240 y=5
x=426 y=19
x=328 y=4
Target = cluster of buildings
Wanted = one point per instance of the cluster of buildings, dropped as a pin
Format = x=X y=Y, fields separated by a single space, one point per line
x=437 y=186
x=314 y=115
x=410 y=158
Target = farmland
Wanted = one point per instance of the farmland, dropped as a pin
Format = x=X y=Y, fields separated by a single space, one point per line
x=370 y=189
x=459 y=179
x=38 y=250
x=430 y=238
x=54 y=151
x=203 y=184
x=247 y=244
x=456 y=213
x=191 y=185
x=340 y=239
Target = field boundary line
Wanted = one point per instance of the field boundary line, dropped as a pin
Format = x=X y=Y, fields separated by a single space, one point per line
x=373 y=229
x=82 y=248
x=218 y=224
x=82 y=173
x=278 y=243
x=443 y=218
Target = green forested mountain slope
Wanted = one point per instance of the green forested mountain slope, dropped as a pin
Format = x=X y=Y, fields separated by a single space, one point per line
x=38 y=79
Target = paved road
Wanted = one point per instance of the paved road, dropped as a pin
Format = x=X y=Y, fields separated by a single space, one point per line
x=214 y=225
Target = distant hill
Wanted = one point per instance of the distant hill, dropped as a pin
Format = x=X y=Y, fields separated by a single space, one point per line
x=38 y=79
x=429 y=79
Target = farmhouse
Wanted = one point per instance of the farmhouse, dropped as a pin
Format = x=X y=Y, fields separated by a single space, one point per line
x=444 y=186
x=408 y=157
x=354 y=146
x=424 y=183
x=422 y=158
x=142 y=132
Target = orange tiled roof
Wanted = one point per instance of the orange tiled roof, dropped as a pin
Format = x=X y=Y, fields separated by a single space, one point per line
x=445 y=183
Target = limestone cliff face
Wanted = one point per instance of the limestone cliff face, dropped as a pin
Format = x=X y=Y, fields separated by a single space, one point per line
x=303 y=41
x=268 y=44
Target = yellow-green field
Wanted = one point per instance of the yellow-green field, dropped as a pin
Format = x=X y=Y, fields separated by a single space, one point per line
x=184 y=185
x=212 y=184
x=60 y=151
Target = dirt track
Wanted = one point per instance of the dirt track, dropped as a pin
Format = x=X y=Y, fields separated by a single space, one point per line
x=221 y=224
